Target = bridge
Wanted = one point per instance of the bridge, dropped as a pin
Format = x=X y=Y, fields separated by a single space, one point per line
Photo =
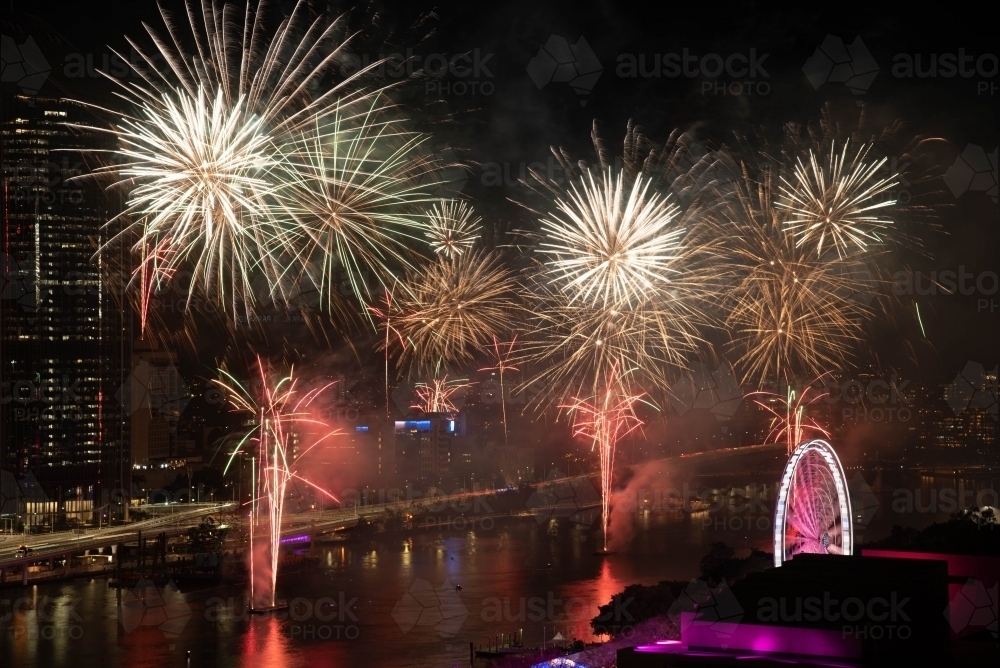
x=177 y=519
x=92 y=543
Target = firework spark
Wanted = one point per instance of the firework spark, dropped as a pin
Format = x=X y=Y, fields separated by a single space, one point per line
x=452 y=308
x=604 y=420
x=452 y=227
x=280 y=412
x=838 y=203
x=436 y=396
x=790 y=421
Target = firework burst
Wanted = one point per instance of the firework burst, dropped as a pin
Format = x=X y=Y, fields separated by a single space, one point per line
x=347 y=189
x=229 y=125
x=452 y=308
x=618 y=285
x=838 y=202
x=452 y=227
x=789 y=311
x=609 y=248
x=789 y=420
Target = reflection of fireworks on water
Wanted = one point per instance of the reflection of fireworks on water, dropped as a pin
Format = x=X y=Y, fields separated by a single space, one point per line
x=839 y=202
x=790 y=421
x=452 y=308
x=222 y=142
x=436 y=396
x=280 y=413
x=452 y=227
x=789 y=311
x=606 y=419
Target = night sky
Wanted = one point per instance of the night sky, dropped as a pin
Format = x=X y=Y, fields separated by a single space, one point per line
x=496 y=119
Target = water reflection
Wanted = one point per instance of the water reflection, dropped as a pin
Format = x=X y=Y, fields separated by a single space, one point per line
x=265 y=644
x=518 y=577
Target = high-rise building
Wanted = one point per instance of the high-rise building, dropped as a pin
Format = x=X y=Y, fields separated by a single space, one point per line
x=424 y=447
x=155 y=396
x=513 y=464
x=64 y=337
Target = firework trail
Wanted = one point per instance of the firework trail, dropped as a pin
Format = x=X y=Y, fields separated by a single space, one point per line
x=279 y=413
x=503 y=364
x=452 y=308
x=605 y=419
x=838 y=201
x=385 y=315
x=452 y=227
x=227 y=132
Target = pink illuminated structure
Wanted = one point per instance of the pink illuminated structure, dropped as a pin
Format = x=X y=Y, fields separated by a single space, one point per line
x=813 y=511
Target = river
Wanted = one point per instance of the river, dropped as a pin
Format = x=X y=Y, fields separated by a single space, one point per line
x=411 y=599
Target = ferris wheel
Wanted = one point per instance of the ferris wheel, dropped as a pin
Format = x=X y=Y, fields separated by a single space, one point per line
x=813 y=512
